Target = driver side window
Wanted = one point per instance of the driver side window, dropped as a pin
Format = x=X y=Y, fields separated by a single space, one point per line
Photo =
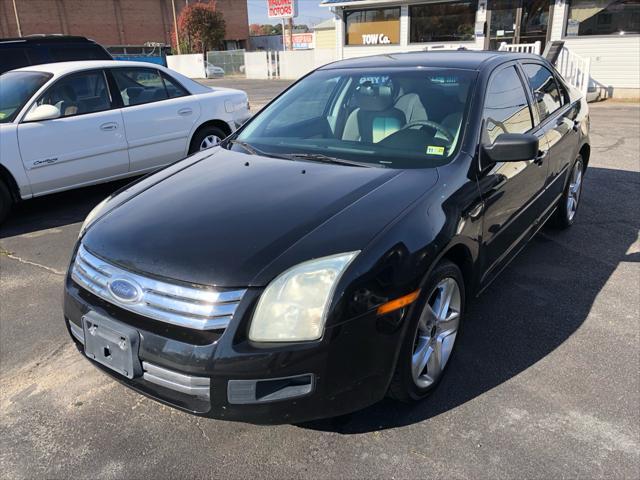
x=506 y=109
x=78 y=94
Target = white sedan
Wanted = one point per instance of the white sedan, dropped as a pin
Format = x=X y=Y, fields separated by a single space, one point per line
x=71 y=124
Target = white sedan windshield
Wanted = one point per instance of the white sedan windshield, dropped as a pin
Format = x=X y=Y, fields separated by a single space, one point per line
x=400 y=118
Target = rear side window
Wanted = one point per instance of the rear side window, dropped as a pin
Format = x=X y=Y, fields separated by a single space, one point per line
x=78 y=94
x=506 y=109
x=140 y=85
x=68 y=53
x=174 y=89
x=11 y=58
x=545 y=89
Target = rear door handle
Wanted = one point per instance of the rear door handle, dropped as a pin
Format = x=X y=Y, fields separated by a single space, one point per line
x=539 y=160
x=109 y=126
x=185 y=111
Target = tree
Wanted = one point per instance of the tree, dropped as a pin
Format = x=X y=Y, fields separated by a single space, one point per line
x=255 y=29
x=200 y=28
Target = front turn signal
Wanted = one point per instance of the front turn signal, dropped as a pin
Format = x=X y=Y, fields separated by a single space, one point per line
x=398 y=303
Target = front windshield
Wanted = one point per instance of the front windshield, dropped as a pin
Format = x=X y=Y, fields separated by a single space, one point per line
x=398 y=118
x=16 y=88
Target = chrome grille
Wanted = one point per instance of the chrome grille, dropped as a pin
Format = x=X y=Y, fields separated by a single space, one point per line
x=187 y=306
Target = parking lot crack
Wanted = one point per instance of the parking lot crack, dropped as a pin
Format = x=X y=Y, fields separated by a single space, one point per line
x=29 y=262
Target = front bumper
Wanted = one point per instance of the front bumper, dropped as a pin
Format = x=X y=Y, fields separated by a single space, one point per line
x=349 y=369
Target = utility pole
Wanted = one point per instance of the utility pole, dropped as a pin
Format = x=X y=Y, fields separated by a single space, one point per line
x=291 y=33
x=175 y=24
x=15 y=12
x=284 y=36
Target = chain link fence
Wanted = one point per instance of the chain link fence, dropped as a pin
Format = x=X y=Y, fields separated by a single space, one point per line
x=231 y=61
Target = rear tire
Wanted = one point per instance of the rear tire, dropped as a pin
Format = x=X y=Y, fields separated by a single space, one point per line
x=206 y=137
x=6 y=201
x=430 y=338
x=568 y=204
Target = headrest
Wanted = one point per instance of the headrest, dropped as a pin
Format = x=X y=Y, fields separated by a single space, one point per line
x=69 y=92
x=134 y=92
x=374 y=98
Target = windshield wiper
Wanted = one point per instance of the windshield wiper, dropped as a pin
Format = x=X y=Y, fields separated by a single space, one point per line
x=319 y=157
x=255 y=151
x=249 y=148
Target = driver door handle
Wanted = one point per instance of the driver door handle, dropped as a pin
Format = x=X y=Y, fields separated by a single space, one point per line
x=109 y=126
x=539 y=160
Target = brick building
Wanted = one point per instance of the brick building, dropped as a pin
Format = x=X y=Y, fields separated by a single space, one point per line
x=114 y=22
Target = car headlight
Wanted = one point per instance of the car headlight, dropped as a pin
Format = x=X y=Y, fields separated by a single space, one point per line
x=92 y=216
x=295 y=305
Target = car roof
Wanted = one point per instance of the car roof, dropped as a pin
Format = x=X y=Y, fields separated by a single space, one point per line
x=47 y=38
x=464 y=59
x=62 y=68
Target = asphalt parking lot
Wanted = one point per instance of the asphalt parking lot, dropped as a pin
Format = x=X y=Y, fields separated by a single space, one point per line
x=546 y=381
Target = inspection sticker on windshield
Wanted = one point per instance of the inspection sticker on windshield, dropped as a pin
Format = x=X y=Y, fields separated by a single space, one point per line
x=432 y=150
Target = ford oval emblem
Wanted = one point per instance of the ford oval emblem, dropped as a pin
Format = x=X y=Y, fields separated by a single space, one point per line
x=125 y=290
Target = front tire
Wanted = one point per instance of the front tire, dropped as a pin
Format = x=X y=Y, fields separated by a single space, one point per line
x=431 y=334
x=570 y=201
x=6 y=201
x=205 y=138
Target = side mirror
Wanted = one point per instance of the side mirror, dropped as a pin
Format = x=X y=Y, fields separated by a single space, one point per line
x=42 y=112
x=512 y=147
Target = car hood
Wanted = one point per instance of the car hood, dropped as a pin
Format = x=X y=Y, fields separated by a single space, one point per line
x=234 y=220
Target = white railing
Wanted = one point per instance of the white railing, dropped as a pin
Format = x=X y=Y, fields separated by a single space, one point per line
x=521 y=47
x=575 y=69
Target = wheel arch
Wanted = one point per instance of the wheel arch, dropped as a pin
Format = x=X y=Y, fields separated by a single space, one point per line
x=460 y=255
x=221 y=124
x=585 y=153
x=10 y=181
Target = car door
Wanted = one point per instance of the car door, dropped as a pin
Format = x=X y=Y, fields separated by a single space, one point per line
x=159 y=116
x=511 y=190
x=84 y=145
x=558 y=119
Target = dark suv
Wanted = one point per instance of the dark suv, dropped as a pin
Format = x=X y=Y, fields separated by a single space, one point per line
x=39 y=49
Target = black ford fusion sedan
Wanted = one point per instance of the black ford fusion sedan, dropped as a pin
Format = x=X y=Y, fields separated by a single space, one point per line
x=321 y=257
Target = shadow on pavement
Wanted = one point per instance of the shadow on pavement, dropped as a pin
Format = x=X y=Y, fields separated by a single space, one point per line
x=57 y=210
x=537 y=303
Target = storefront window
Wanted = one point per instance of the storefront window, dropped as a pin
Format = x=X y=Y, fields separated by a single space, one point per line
x=380 y=26
x=443 y=22
x=603 y=17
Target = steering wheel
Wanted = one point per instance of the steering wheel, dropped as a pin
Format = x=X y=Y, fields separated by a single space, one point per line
x=436 y=126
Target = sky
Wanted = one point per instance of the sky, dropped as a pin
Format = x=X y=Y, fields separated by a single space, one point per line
x=308 y=12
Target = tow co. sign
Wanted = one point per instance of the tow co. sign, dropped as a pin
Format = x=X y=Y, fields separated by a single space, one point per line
x=282 y=8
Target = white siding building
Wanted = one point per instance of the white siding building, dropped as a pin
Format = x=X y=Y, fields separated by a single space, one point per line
x=601 y=37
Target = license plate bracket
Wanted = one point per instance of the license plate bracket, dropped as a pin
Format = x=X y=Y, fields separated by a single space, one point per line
x=112 y=344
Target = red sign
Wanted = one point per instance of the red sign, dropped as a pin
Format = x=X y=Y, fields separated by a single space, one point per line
x=301 y=41
x=282 y=8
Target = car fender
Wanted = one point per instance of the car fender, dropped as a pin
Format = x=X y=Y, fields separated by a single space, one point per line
x=227 y=105
x=11 y=160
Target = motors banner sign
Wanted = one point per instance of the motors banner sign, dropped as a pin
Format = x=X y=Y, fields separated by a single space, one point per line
x=282 y=8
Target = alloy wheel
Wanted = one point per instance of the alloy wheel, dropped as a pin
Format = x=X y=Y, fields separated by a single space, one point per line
x=209 y=141
x=575 y=185
x=436 y=333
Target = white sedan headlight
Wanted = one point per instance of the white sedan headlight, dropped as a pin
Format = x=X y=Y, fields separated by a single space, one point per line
x=92 y=215
x=295 y=305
